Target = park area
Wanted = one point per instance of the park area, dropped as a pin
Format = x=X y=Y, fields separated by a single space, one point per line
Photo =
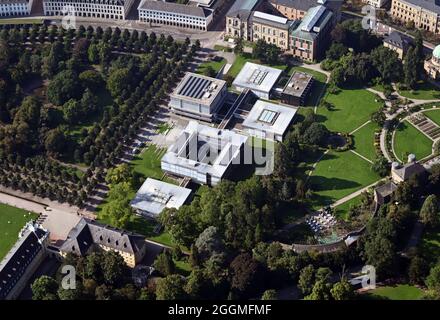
x=396 y=292
x=424 y=91
x=12 y=220
x=407 y=140
x=339 y=174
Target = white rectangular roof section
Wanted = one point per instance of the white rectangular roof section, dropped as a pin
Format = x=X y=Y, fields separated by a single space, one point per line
x=270 y=17
x=154 y=196
x=270 y=117
x=257 y=77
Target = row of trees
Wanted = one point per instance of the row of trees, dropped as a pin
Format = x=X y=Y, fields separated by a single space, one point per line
x=369 y=61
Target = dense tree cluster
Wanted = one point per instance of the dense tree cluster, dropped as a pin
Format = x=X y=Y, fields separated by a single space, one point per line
x=76 y=65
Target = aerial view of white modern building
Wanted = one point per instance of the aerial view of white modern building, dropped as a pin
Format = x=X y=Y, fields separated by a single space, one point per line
x=103 y=9
x=175 y=14
x=198 y=97
x=15 y=7
x=257 y=78
x=155 y=195
x=204 y=154
x=268 y=120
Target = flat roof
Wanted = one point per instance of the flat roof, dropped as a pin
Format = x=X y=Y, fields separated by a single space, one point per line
x=172 y=7
x=198 y=88
x=297 y=84
x=257 y=77
x=197 y=141
x=154 y=196
x=430 y=5
x=270 y=17
x=315 y=19
x=270 y=117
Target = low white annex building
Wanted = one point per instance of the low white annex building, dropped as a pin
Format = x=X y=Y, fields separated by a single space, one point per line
x=102 y=9
x=268 y=120
x=175 y=14
x=15 y=8
x=204 y=154
x=257 y=78
x=155 y=195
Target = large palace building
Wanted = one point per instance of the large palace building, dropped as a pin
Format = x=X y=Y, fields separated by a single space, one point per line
x=101 y=9
x=15 y=7
x=425 y=14
x=175 y=14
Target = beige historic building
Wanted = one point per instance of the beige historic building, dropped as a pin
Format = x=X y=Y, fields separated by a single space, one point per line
x=432 y=66
x=272 y=29
x=398 y=42
x=425 y=14
x=297 y=9
x=309 y=39
x=238 y=24
x=89 y=236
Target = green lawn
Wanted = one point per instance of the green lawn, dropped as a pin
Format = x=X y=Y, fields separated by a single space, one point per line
x=216 y=65
x=364 y=141
x=430 y=244
x=163 y=128
x=408 y=140
x=341 y=211
x=318 y=86
x=399 y=292
x=12 y=221
x=424 y=91
x=148 y=163
x=241 y=60
x=352 y=108
x=339 y=174
x=434 y=115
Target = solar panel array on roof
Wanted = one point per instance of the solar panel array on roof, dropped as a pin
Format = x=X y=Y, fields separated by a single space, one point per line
x=268 y=116
x=310 y=20
x=195 y=87
x=257 y=76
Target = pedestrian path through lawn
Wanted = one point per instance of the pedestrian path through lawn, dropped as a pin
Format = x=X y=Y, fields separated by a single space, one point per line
x=352 y=108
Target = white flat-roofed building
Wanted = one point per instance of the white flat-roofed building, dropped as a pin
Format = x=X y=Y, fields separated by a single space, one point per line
x=204 y=154
x=268 y=120
x=175 y=14
x=155 y=195
x=376 y=3
x=101 y=9
x=257 y=78
x=15 y=8
x=198 y=97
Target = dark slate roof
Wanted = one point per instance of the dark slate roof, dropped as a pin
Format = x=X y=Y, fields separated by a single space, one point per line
x=87 y=233
x=242 y=8
x=172 y=7
x=399 y=40
x=409 y=169
x=16 y=262
x=431 y=5
x=387 y=189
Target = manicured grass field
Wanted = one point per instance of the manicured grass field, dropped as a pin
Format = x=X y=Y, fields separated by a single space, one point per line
x=241 y=60
x=364 y=141
x=424 y=91
x=339 y=174
x=342 y=210
x=430 y=244
x=318 y=86
x=434 y=115
x=352 y=108
x=399 y=292
x=215 y=65
x=12 y=221
x=148 y=163
x=408 y=140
